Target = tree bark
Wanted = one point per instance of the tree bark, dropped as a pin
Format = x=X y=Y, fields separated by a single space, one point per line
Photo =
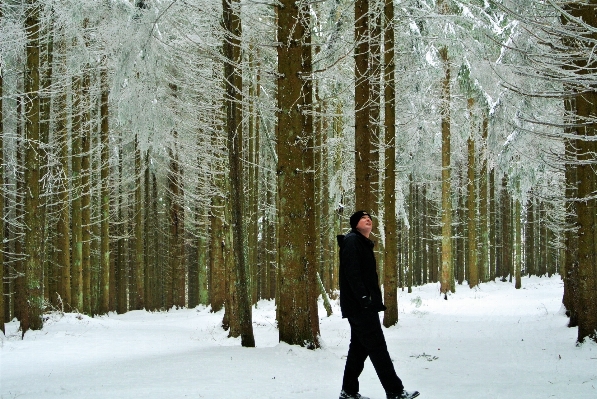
x=32 y=317
x=233 y=101
x=390 y=280
x=76 y=217
x=364 y=195
x=2 y=302
x=447 y=267
x=104 y=191
x=139 y=260
x=298 y=320
x=473 y=267
x=484 y=205
x=86 y=190
x=586 y=109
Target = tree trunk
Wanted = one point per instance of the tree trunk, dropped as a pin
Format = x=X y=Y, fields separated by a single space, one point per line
x=32 y=317
x=139 y=260
x=2 y=190
x=20 y=293
x=390 y=280
x=484 y=206
x=86 y=191
x=364 y=195
x=473 y=267
x=233 y=101
x=494 y=240
x=570 y=273
x=517 y=244
x=586 y=109
x=298 y=320
x=506 y=236
x=104 y=192
x=447 y=267
x=121 y=265
x=76 y=217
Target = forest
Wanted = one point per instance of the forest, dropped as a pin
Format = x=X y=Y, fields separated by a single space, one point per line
x=161 y=154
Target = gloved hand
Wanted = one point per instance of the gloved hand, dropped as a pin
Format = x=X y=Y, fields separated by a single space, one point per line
x=365 y=301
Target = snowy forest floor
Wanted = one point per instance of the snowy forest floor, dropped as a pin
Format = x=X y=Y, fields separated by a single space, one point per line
x=489 y=342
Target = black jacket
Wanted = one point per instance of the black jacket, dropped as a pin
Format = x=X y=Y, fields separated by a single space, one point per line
x=359 y=283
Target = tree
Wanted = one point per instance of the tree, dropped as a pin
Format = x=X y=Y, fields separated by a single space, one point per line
x=363 y=147
x=233 y=105
x=104 y=191
x=298 y=321
x=2 y=201
x=32 y=317
x=585 y=111
x=390 y=280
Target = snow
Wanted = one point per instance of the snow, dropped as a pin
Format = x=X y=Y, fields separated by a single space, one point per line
x=490 y=342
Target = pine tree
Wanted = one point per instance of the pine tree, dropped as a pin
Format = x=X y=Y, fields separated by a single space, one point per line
x=390 y=280
x=298 y=321
x=32 y=316
x=233 y=101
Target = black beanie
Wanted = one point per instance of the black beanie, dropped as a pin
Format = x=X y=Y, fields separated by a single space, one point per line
x=354 y=219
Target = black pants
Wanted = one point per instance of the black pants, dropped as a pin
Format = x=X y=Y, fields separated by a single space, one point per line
x=367 y=340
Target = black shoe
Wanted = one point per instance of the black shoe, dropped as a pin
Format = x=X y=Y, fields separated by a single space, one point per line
x=403 y=395
x=345 y=395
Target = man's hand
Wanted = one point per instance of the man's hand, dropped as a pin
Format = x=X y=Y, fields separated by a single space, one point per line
x=365 y=301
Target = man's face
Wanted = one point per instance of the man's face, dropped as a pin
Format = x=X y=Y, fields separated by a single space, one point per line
x=365 y=225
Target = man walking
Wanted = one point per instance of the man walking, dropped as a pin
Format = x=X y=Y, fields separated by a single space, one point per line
x=360 y=302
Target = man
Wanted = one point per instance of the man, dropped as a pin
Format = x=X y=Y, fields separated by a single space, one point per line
x=360 y=302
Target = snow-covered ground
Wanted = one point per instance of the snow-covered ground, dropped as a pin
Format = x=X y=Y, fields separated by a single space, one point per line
x=490 y=342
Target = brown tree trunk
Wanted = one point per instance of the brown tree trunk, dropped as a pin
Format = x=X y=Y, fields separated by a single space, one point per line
x=364 y=195
x=586 y=273
x=139 y=255
x=76 y=217
x=390 y=280
x=298 y=320
x=484 y=205
x=104 y=192
x=2 y=302
x=86 y=192
x=473 y=267
x=233 y=100
x=32 y=317
x=447 y=267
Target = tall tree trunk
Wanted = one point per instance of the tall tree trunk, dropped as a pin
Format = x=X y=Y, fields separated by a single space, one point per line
x=46 y=205
x=76 y=217
x=586 y=110
x=2 y=190
x=517 y=244
x=447 y=267
x=17 y=232
x=31 y=319
x=390 y=280
x=494 y=241
x=233 y=83
x=298 y=320
x=139 y=261
x=176 y=280
x=121 y=264
x=484 y=205
x=473 y=267
x=530 y=247
x=104 y=191
x=364 y=195
x=86 y=190
x=506 y=214
x=570 y=274
x=148 y=234
x=375 y=76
